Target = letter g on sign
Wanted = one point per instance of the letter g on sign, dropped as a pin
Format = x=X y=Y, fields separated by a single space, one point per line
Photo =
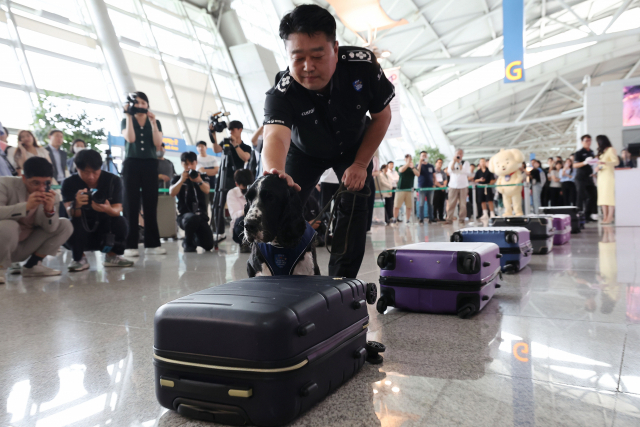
x=513 y=71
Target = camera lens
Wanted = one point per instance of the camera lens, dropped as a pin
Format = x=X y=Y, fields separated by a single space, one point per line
x=193 y=174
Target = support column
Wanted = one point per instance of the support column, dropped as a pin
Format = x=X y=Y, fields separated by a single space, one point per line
x=283 y=7
x=111 y=46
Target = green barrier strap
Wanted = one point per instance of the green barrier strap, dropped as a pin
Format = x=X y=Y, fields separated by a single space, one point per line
x=446 y=188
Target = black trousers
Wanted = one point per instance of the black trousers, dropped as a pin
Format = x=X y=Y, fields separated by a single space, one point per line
x=82 y=240
x=306 y=172
x=196 y=230
x=388 y=209
x=439 y=197
x=141 y=175
x=370 y=202
x=569 y=193
x=587 y=193
x=555 y=198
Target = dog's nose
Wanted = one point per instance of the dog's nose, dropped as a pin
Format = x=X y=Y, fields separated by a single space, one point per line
x=251 y=227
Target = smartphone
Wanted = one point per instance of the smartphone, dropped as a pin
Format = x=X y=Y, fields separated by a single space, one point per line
x=47 y=186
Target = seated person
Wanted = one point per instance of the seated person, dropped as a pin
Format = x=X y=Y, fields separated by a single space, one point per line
x=97 y=224
x=236 y=202
x=191 y=188
x=30 y=226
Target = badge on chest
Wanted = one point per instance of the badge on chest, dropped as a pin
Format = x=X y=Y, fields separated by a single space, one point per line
x=357 y=85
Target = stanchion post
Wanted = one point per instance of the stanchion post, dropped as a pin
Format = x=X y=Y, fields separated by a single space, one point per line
x=474 y=208
x=527 y=198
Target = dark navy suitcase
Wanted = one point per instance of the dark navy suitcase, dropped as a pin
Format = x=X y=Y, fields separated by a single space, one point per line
x=577 y=218
x=439 y=277
x=540 y=229
x=262 y=350
x=514 y=243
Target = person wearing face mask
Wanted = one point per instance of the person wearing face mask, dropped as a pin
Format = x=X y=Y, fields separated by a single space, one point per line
x=191 y=188
x=77 y=146
x=236 y=201
x=143 y=136
x=166 y=171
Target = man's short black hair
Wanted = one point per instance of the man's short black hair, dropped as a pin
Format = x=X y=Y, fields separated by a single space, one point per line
x=308 y=19
x=235 y=124
x=188 y=157
x=79 y=140
x=6 y=131
x=424 y=152
x=52 y=131
x=585 y=136
x=37 y=166
x=243 y=177
x=88 y=159
x=201 y=143
x=550 y=158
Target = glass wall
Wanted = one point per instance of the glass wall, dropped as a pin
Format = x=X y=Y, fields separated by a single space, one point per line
x=173 y=51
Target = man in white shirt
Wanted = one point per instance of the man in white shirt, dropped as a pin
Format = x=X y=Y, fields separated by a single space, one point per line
x=207 y=165
x=459 y=172
x=58 y=156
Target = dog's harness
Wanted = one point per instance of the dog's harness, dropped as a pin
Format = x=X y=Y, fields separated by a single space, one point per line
x=281 y=261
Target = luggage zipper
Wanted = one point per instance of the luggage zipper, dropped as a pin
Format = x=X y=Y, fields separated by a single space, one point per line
x=314 y=353
x=446 y=285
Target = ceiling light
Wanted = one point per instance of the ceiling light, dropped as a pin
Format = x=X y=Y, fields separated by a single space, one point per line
x=364 y=15
x=385 y=54
x=380 y=60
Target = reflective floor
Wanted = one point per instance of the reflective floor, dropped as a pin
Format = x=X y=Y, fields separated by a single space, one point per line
x=559 y=345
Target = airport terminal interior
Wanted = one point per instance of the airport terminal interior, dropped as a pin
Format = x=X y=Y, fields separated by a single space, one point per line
x=540 y=97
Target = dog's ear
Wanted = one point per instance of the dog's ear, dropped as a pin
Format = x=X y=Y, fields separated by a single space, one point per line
x=292 y=224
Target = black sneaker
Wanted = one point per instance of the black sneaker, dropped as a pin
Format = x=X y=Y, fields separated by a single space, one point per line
x=422 y=221
x=188 y=248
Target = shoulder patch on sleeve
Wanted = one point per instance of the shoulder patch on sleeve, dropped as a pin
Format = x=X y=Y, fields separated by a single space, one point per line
x=358 y=55
x=284 y=83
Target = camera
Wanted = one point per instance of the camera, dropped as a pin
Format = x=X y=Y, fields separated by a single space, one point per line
x=216 y=124
x=47 y=186
x=132 y=98
x=94 y=196
x=193 y=174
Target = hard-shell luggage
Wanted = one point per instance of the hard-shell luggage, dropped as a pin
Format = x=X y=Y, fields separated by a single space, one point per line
x=540 y=228
x=262 y=350
x=561 y=229
x=439 y=277
x=514 y=243
x=167 y=225
x=577 y=218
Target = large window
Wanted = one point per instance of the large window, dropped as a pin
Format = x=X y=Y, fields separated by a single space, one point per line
x=173 y=51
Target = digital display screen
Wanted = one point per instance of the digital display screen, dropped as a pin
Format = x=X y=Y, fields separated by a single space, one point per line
x=631 y=106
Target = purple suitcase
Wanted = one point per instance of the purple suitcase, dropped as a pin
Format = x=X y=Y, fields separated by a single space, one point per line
x=263 y=350
x=439 y=277
x=562 y=229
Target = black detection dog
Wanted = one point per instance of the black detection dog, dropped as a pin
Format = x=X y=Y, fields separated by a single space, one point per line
x=282 y=242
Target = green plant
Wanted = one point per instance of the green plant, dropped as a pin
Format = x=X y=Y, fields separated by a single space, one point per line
x=433 y=153
x=53 y=113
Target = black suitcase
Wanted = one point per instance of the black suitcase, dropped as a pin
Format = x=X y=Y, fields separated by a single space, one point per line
x=261 y=350
x=540 y=228
x=577 y=217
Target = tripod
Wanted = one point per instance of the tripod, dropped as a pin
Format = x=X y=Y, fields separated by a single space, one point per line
x=109 y=162
x=219 y=199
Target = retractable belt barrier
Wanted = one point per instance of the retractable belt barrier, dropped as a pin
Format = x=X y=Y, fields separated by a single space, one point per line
x=446 y=188
x=160 y=190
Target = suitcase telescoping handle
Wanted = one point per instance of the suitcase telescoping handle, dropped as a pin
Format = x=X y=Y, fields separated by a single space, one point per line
x=205 y=389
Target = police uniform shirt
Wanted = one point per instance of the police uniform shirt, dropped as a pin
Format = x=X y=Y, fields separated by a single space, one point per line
x=325 y=126
x=585 y=172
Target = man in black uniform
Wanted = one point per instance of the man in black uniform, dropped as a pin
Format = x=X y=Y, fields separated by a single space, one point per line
x=315 y=120
x=584 y=180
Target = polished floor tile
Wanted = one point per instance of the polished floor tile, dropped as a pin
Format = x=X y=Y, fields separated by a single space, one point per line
x=559 y=344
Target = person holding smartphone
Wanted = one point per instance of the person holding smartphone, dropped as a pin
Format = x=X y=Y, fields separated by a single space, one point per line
x=27 y=148
x=29 y=222
x=459 y=171
x=143 y=136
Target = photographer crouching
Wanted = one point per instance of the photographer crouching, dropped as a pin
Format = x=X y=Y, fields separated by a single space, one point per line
x=93 y=199
x=236 y=154
x=191 y=188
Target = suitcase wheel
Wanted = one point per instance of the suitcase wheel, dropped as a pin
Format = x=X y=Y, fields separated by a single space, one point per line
x=511 y=238
x=382 y=305
x=466 y=310
x=371 y=293
x=509 y=269
x=374 y=349
x=308 y=389
x=456 y=237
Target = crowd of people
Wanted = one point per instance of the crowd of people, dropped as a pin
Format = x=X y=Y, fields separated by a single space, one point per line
x=97 y=210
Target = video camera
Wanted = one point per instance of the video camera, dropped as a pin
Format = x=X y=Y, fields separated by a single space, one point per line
x=132 y=98
x=216 y=124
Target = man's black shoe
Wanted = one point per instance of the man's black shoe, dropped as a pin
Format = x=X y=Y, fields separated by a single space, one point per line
x=422 y=221
x=188 y=248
